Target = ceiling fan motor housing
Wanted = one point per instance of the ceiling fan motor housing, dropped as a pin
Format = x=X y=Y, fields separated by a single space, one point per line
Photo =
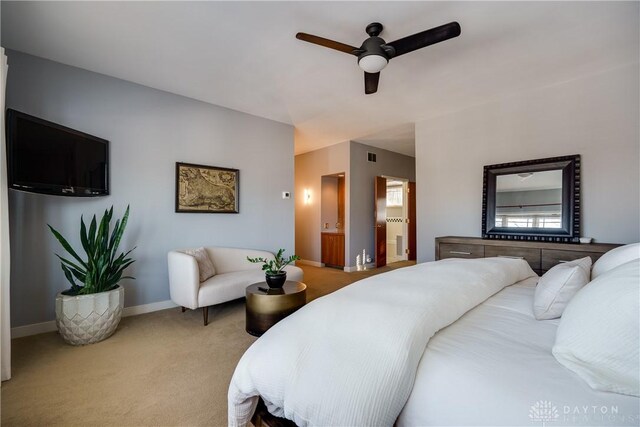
x=373 y=46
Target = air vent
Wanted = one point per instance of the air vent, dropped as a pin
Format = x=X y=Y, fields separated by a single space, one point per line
x=371 y=157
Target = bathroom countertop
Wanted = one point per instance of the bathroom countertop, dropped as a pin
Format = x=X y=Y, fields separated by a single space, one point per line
x=332 y=231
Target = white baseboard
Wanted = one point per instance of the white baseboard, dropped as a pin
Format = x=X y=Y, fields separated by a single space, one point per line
x=40 y=328
x=311 y=263
x=351 y=269
x=33 y=329
x=148 y=308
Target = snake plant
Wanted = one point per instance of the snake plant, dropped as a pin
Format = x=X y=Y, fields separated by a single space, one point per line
x=102 y=269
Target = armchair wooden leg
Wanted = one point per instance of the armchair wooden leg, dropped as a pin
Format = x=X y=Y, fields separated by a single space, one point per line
x=184 y=309
x=205 y=314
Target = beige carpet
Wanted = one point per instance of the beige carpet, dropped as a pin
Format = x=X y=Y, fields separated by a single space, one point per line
x=162 y=369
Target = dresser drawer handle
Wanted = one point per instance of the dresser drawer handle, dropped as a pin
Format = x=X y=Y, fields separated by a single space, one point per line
x=509 y=256
x=459 y=253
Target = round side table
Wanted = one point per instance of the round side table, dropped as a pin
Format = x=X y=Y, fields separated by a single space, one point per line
x=266 y=306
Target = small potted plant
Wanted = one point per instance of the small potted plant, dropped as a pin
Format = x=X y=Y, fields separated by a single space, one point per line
x=91 y=309
x=274 y=268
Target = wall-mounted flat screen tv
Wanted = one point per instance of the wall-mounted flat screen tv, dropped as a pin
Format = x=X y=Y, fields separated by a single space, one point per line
x=44 y=157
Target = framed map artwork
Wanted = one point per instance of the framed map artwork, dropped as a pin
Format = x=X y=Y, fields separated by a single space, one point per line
x=206 y=189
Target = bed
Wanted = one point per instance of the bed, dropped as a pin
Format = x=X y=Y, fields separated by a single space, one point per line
x=494 y=365
x=487 y=362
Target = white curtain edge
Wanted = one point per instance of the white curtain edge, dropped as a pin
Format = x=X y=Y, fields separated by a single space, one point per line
x=5 y=317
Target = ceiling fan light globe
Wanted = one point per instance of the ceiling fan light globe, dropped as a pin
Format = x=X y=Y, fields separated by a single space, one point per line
x=373 y=63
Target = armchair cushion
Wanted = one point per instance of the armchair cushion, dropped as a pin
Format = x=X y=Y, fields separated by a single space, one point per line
x=205 y=266
x=227 y=260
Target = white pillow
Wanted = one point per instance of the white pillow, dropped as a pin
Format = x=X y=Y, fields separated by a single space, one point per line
x=205 y=266
x=598 y=337
x=614 y=258
x=558 y=285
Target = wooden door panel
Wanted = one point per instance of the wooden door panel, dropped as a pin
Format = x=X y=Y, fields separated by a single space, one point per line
x=325 y=254
x=332 y=249
x=381 y=221
x=339 y=250
x=412 y=238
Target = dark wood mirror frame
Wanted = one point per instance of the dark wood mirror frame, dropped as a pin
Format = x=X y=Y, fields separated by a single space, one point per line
x=569 y=232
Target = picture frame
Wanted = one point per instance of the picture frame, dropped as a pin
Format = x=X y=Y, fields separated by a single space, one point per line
x=206 y=189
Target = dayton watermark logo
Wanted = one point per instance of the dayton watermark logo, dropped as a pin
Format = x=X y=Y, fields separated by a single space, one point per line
x=543 y=411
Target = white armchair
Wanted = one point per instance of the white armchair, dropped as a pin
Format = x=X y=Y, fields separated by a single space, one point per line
x=233 y=274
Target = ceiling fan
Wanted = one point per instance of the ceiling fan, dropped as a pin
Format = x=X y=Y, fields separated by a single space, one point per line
x=375 y=53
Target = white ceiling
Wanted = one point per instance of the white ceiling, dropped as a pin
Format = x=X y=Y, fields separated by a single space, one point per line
x=401 y=139
x=244 y=55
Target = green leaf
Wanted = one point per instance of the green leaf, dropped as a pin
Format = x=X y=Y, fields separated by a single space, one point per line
x=125 y=219
x=70 y=264
x=112 y=248
x=78 y=275
x=103 y=230
x=83 y=237
x=257 y=260
x=66 y=245
x=92 y=231
x=68 y=275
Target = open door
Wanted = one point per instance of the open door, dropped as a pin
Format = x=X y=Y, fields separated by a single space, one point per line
x=380 y=198
x=411 y=241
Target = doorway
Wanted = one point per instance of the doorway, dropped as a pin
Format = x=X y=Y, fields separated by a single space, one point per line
x=396 y=214
x=332 y=233
x=395 y=236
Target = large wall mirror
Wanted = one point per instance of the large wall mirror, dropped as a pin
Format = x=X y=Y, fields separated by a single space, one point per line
x=535 y=200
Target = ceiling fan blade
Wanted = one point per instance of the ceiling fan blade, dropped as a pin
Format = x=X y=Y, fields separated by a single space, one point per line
x=425 y=38
x=371 y=82
x=331 y=44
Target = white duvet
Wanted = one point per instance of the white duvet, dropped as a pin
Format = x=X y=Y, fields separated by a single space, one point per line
x=350 y=358
x=494 y=365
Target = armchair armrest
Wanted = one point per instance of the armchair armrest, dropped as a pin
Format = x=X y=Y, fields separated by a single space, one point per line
x=184 y=279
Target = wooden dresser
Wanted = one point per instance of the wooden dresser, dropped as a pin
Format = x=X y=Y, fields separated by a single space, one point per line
x=540 y=255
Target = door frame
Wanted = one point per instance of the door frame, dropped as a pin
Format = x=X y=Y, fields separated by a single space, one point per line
x=412 y=232
x=409 y=212
x=380 y=220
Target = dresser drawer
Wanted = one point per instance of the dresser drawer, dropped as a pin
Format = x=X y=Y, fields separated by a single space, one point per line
x=458 y=250
x=531 y=255
x=551 y=257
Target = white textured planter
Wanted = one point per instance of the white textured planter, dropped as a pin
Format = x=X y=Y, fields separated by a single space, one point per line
x=86 y=319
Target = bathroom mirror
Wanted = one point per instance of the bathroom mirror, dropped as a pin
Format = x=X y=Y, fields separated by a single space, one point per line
x=536 y=200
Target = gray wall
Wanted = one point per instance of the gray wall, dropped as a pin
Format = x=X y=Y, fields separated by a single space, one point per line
x=309 y=169
x=329 y=202
x=595 y=116
x=149 y=130
x=362 y=179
